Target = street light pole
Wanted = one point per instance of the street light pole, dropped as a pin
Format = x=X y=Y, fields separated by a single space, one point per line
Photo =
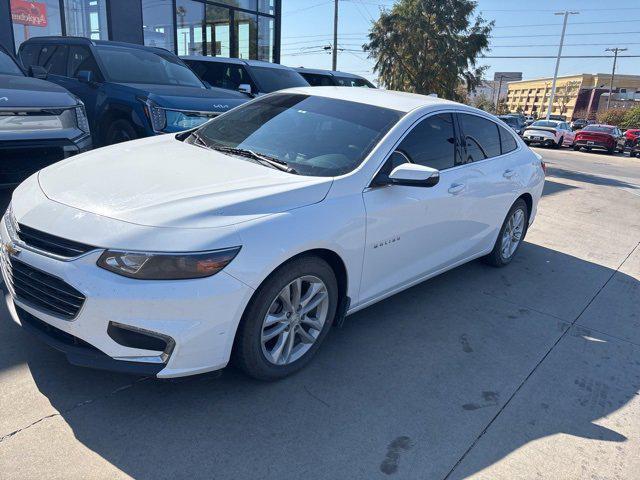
x=566 y=14
x=613 y=72
x=334 y=63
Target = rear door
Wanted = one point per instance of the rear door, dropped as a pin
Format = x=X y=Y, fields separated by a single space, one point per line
x=416 y=231
x=492 y=154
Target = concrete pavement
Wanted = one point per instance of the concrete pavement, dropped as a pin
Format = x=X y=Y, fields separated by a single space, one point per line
x=531 y=371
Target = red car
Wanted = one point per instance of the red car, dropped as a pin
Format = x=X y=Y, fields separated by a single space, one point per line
x=602 y=137
x=631 y=134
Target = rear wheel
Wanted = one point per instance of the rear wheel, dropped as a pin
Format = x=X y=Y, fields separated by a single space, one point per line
x=287 y=319
x=576 y=148
x=511 y=235
x=559 y=144
x=120 y=131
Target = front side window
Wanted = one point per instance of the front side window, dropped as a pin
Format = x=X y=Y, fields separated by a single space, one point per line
x=314 y=135
x=316 y=80
x=54 y=59
x=353 y=82
x=481 y=137
x=8 y=66
x=273 y=79
x=222 y=75
x=86 y=18
x=81 y=59
x=432 y=142
x=133 y=65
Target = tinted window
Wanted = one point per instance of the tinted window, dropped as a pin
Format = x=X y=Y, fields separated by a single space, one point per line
x=29 y=55
x=432 y=142
x=273 y=79
x=314 y=135
x=80 y=58
x=132 y=65
x=316 y=80
x=507 y=142
x=353 y=82
x=222 y=75
x=545 y=123
x=8 y=66
x=54 y=59
x=481 y=137
x=598 y=128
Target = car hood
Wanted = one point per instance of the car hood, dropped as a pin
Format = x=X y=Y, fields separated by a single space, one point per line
x=163 y=182
x=27 y=92
x=190 y=98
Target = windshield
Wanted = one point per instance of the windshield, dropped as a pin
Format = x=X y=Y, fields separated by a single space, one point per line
x=314 y=135
x=597 y=128
x=273 y=79
x=8 y=66
x=132 y=65
x=511 y=121
x=545 y=123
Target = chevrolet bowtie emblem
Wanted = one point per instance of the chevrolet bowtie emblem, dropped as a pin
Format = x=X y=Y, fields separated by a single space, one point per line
x=10 y=248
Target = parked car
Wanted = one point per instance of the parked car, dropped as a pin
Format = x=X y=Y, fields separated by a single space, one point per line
x=630 y=135
x=40 y=123
x=252 y=234
x=559 y=118
x=327 y=78
x=129 y=91
x=549 y=133
x=252 y=77
x=600 y=137
x=579 y=123
x=634 y=149
x=514 y=122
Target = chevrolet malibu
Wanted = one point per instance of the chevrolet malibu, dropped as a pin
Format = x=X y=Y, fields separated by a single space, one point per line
x=247 y=238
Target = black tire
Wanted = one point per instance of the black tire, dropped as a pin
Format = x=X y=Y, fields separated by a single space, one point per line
x=247 y=351
x=576 y=148
x=559 y=144
x=611 y=151
x=495 y=258
x=119 y=131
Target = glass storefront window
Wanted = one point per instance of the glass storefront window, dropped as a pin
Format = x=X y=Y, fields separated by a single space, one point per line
x=35 y=19
x=265 y=38
x=86 y=18
x=218 y=32
x=267 y=6
x=246 y=4
x=189 y=22
x=157 y=21
x=246 y=32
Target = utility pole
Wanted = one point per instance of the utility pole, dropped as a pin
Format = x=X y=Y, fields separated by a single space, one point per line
x=334 y=64
x=498 y=95
x=613 y=72
x=566 y=14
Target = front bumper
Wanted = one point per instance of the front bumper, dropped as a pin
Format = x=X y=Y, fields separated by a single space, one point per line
x=21 y=158
x=201 y=316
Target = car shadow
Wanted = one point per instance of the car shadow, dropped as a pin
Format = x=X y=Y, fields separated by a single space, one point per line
x=405 y=386
x=589 y=178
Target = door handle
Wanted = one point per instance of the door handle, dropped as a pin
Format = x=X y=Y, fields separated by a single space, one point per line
x=508 y=173
x=456 y=188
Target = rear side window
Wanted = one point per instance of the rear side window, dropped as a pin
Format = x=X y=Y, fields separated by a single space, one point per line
x=317 y=80
x=222 y=75
x=29 y=55
x=507 y=142
x=432 y=142
x=54 y=59
x=481 y=137
x=81 y=58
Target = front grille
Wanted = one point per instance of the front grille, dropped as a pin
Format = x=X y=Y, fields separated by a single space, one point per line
x=50 y=243
x=40 y=290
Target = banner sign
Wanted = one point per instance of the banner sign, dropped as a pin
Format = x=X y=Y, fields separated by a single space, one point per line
x=24 y=12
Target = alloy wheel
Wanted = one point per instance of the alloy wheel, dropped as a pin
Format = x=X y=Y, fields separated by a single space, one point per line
x=294 y=320
x=512 y=235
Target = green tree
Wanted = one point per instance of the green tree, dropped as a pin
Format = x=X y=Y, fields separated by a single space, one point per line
x=631 y=118
x=613 y=116
x=484 y=103
x=429 y=46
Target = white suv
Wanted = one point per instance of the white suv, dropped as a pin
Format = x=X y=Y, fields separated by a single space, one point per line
x=251 y=235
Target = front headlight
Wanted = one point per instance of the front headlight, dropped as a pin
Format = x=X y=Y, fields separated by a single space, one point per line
x=156 y=115
x=81 y=118
x=166 y=266
x=179 y=120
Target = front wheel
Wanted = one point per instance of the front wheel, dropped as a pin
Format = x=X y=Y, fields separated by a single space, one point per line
x=120 y=131
x=287 y=319
x=511 y=235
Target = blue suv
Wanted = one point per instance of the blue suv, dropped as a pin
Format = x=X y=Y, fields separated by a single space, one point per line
x=129 y=91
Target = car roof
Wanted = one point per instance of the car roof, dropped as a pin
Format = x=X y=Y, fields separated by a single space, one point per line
x=234 y=61
x=602 y=125
x=87 y=41
x=401 y=101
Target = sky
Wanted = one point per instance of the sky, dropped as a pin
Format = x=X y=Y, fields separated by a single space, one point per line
x=522 y=27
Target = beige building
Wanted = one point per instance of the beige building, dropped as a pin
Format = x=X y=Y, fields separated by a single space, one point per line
x=577 y=96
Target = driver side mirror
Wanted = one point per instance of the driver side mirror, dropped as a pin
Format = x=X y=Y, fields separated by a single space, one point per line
x=414 y=175
x=85 y=76
x=245 y=88
x=36 y=71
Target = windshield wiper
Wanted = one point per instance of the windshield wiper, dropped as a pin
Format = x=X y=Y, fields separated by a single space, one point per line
x=260 y=157
x=198 y=140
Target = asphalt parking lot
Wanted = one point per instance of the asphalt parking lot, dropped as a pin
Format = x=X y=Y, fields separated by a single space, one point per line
x=532 y=371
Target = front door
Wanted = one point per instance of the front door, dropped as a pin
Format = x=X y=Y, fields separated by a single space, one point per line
x=415 y=231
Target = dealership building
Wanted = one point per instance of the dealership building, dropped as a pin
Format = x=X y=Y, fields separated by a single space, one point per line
x=227 y=28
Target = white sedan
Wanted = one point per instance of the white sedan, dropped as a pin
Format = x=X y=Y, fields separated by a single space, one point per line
x=549 y=133
x=247 y=238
